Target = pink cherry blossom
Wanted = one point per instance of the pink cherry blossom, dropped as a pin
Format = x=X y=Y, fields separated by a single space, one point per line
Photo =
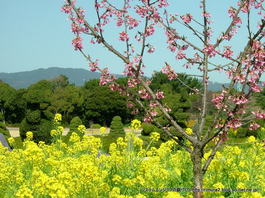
x=258 y=114
x=149 y=30
x=160 y=95
x=169 y=72
x=210 y=50
x=93 y=66
x=254 y=126
x=124 y=36
x=186 y=18
x=228 y=53
x=77 y=43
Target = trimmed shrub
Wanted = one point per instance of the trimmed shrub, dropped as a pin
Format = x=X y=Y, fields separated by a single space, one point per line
x=116 y=126
x=147 y=128
x=95 y=126
x=75 y=122
x=41 y=130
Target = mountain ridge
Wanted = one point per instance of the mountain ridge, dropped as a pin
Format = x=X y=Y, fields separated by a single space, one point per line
x=76 y=76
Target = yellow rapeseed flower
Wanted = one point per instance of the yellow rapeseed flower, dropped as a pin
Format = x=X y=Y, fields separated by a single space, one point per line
x=136 y=124
x=251 y=139
x=102 y=130
x=29 y=135
x=218 y=185
x=155 y=136
x=11 y=141
x=57 y=117
x=188 y=131
x=82 y=128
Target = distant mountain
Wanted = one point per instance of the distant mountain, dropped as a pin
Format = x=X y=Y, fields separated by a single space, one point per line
x=24 y=79
x=76 y=76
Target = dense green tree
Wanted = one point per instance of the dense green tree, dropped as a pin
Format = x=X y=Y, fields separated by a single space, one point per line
x=6 y=92
x=16 y=107
x=101 y=104
x=68 y=101
x=38 y=117
x=60 y=81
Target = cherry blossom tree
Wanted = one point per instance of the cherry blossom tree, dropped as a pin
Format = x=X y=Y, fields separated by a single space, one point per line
x=202 y=49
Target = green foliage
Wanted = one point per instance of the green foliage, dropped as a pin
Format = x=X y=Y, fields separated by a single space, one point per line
x=18 y=144
x=116 y=126
x=1 y=117
x=260 y=98
x=41 y=130
x=148 y=128
x=4 y=130
x=107 y=140
x=101 y=104
x=95 y=126
x=33 y=116
x=75 y=122
x=67 y=101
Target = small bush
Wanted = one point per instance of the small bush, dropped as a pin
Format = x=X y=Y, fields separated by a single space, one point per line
x=41 y=131
x=107 y=140
x=116 y=126
x=95 y=126
x=33 y=116
x=147 y=128
x=75 y=122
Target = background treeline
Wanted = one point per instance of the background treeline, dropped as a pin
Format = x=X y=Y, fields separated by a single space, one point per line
x=33 y=108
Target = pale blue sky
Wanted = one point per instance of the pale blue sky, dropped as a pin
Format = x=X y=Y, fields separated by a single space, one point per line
x=36 y=34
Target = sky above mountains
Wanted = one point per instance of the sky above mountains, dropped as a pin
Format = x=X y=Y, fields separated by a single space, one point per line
x=36 y=34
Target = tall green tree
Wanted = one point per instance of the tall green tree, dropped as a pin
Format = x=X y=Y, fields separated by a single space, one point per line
x=68 y=101
x=6 y=92
x=101 y=104
x=38 y=117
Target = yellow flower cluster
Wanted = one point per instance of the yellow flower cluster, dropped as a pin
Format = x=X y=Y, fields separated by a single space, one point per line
x=82 y=128
x=80 y=169
x=189 y=131
x=57 y=118
x=136 y=124
x=155 y=136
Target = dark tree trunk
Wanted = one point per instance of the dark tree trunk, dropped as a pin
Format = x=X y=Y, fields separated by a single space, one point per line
x=196 y=156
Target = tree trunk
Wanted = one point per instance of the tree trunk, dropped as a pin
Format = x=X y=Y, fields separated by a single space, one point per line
x=197 y=172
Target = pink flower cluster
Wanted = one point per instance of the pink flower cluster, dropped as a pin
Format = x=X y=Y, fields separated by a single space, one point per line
x=77 y=43
x=210 y=50
x=93 y=66
x=143 y=94
x=186 y=18
x=148 y=119
x=169 y=72
x=163 y=3
x=217 y=100
x=259 y=115
x=124 y=36
x=160 y=95
x=132 y=82
x=254 y=126
x=228 y=53
x=149 y=30
x=105 y=77
x=238 y=99
x=234 y=124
